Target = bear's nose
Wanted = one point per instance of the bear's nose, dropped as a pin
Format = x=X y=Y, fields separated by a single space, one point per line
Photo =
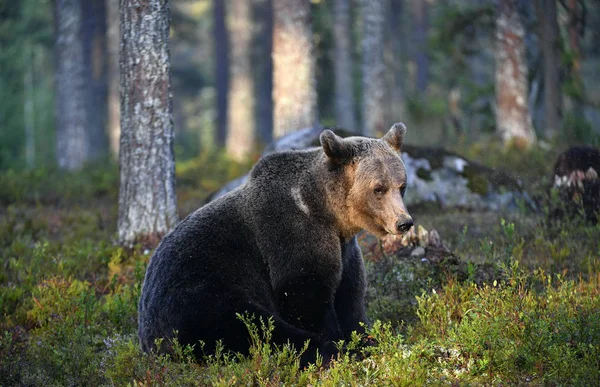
x=404 y=225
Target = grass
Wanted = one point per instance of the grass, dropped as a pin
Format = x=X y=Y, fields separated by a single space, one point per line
x=68 y=299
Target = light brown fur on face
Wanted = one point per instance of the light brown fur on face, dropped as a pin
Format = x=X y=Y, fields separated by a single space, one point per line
x=374 y=179
x=375 y=199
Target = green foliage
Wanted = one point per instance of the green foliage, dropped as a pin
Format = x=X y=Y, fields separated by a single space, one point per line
x=25 y=38
x=49 y=185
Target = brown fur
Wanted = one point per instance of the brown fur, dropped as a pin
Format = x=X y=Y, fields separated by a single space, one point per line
x=282 y=247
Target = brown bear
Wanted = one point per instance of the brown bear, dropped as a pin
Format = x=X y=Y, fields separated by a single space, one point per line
x=281 y=246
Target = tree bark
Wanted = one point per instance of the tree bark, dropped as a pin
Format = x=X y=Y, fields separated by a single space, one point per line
x=421 y=28
x=221 y=50
x=294 y=83
x=95 y=54
x=394 y=59
x=344 y=93
x=550 y=50
x=262 y=63
x=147 y=201
x=575 y=30
x=240 y=113
x=72 y=142
x=114 y=109
x=513 y=120
x=373 y=69
x=29 y=106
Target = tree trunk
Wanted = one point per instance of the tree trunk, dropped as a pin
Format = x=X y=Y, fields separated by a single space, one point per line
x=421 y=28
x=344 y=93
x=93 y=30
x=550 y=50
x=394 y=59
x=240 y=118
x=147 y=201
x=262 y=63
x=114 y=109
x=294 y=83
x=72 y=142
x=513 y=120
x=575 y=30
x=221 y=49
x=29 y=108
x=373 y=81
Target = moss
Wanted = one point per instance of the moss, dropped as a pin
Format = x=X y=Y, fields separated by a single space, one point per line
x=424 y=174
x=477 y=183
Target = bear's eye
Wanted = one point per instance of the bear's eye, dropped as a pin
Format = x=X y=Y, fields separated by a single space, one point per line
x=402 y=190
x=379 y=190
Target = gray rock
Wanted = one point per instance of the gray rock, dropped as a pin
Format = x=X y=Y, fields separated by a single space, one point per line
x=418 y=252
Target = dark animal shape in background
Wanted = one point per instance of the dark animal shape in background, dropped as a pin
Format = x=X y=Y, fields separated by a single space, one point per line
x=282 y=246
x=576 y=179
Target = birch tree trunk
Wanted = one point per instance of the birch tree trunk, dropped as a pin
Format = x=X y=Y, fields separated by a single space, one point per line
x=147 y=201
x=72 y=142
x=240 y=113
x=373 y=69
x=344 y=92
x=513 y=120
x=550 y=50
x=221 y=51
x=262 y=63
x=294 y=83
x=114 y=109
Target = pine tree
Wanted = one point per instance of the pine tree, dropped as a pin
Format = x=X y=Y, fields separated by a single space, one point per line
x=72 y=137
x=221 y=52
x=113 y=41
x=147 y=201
x=513 y=120
x=294 y=83
x=372 y=67
x=240 y=113
x=344 y=94
x=262 y=63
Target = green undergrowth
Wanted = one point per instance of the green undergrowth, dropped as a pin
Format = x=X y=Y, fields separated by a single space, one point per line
x=519 y=306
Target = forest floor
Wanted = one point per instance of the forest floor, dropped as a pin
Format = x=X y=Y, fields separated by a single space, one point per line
x=68 y=295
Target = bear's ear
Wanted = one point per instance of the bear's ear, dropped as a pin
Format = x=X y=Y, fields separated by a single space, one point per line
x=395 y=136
x=336 y=148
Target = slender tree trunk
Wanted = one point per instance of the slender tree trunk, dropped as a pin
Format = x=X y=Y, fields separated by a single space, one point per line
x=373 y=81
x=550 y=50
x=294 y=83
x=95 y=54
x=262 y=63
x=344 y=92
x=394 y=59
x=72 y=142
x=421 y=28
x=147 y=201
x=29 y=108
x=240 y=117
x=575 y=30
x=513 y=120
x=114 y=109
x=221 y=48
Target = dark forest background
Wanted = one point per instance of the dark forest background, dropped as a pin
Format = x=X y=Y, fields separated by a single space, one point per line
x=438 y=75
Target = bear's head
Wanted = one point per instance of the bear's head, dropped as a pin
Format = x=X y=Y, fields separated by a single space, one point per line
x=369 y=181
